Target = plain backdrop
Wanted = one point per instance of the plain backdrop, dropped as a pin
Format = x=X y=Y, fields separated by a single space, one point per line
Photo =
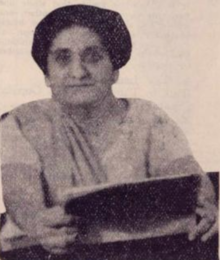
x=175 y=61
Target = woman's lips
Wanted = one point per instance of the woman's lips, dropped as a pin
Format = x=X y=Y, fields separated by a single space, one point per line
x=80 y=85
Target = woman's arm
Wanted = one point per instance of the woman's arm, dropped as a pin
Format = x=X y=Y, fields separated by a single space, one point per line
x=170 y=154
x=24 y=195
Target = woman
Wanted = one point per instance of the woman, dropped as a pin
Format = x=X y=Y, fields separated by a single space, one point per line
x=84 y=135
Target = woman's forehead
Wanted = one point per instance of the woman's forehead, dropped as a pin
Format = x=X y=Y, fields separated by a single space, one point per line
x=76 y=38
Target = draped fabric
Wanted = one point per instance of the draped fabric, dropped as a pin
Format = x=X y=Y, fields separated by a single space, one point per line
x=42 y=145
x=52 y=144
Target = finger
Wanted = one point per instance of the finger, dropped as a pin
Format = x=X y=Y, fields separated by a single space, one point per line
x=206 y=189
x=191 y=229
x=56 y=250
x=205 y=213
x=202 y=198
x=201 y=212
x=45 y=232
x=204 y=203
x=69 y=230
x=192 y=234
x=60 y=242
x=65 y=221
x=210 y=233
x=202 y=227
x=63 y=234
x=51 y=215
x=57 y=217
x=53 y=232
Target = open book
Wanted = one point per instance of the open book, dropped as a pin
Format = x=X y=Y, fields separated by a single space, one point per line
x=134 y=210
x=130 y=211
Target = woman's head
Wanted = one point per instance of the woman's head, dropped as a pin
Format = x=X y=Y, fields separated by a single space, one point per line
x=109 y=25
x=79 y=69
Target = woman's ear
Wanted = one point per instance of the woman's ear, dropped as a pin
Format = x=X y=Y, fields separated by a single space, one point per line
x=115 y=76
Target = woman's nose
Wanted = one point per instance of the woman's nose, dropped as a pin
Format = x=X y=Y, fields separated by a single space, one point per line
x=77 y=69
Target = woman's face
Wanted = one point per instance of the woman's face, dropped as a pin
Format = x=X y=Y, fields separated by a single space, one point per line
x=80 y=71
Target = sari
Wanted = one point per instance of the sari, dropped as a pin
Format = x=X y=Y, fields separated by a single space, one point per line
x=45 y=152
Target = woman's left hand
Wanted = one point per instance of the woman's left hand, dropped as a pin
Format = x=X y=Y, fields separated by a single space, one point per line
x=208 y=224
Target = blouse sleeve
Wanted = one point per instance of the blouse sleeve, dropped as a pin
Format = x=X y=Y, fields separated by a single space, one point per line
x=170 y=153
x=21 y=168
x=169 y=150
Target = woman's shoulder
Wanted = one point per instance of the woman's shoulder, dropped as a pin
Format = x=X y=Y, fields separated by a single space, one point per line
x=145 y=111
x=31 y=111
x=33 y=107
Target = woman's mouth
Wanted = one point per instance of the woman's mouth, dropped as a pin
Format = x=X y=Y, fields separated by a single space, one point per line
x=80 y=85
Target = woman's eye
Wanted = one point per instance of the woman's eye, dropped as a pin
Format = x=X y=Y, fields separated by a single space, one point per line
x=92 y=56
x=63 y=58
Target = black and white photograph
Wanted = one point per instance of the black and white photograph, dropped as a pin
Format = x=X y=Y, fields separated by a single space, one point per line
x=110 y=129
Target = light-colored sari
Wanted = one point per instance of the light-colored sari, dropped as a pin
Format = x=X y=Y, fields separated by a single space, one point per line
x=45 y=152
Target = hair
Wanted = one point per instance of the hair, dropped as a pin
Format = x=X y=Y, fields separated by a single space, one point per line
x=108 y=24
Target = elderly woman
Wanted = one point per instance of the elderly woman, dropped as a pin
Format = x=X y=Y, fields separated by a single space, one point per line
x=84 y=135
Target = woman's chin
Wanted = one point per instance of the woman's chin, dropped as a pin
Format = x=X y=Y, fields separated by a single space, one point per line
x=77 y=101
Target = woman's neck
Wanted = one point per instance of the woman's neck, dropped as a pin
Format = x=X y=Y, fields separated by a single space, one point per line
x=90 y=116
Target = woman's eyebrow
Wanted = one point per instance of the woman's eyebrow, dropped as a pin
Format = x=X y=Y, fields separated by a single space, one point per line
x=59 y=50
x=87 y=49
x=95 y=48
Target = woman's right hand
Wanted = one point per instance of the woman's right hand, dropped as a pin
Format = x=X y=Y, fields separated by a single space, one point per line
x=55 y=230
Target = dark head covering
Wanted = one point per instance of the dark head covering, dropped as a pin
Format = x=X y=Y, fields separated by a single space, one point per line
x=109 y=25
